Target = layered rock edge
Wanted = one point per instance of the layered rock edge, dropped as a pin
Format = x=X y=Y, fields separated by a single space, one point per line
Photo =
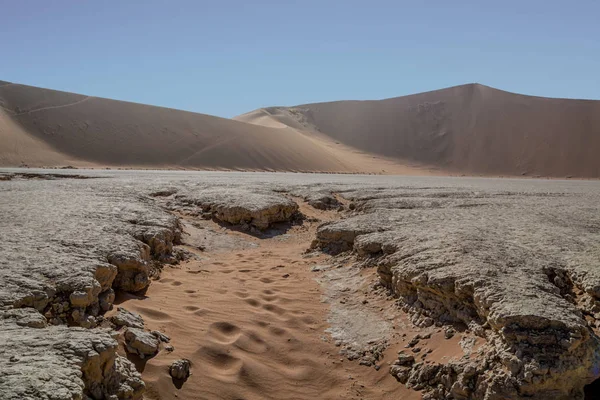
x=58 y=281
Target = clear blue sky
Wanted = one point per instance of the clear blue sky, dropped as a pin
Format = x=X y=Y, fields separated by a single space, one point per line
x=228 y=57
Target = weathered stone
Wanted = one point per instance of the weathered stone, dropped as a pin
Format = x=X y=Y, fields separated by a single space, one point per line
x=449 y=332
x=238 y=207
x=61 y=363
x=405 y=359
x=106 y=299
x=128 y=319
x=414 y=341
x=508 y=265
x=161 y=336
x=322 y=200
x=141 y=343
x=180 y=369
x=400 y=372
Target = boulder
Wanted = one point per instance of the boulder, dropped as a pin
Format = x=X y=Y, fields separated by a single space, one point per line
x=127 y=319
x=180 y=369
x=142 y=343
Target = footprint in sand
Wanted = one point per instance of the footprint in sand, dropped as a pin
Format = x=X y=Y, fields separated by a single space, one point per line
x=308 y=320
x=251 y=343
x=274 y=309
x=253 y=302
x=294 y=323
x=219 y=359
x=284 y=300
x=196 y=272
x=190 y=291
x=202 y=312
x=266 y=280
x=277 y=331
x=269 y=298
x=241 y=294
x=223 y=332
x=191 y=308
x=177 y=283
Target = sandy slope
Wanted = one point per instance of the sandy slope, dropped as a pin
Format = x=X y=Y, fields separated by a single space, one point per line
x=41 y=127
x=470 y=129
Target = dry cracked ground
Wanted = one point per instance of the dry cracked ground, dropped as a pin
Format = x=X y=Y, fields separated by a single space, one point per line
x=160 y=285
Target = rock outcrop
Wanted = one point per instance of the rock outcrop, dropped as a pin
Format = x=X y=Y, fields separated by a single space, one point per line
x=65 y=247
x=45 y=362
x=518 y=269
x=127 y=319
x=237 y=206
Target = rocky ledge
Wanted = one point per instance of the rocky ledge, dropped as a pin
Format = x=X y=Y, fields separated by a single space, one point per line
x=239 y=206
x=44 y=362
x=64 y=252
x=518 y=269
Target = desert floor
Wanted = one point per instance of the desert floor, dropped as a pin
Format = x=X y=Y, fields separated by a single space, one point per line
x=318 y=305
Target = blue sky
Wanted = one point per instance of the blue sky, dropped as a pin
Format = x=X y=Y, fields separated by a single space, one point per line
x=229 y=57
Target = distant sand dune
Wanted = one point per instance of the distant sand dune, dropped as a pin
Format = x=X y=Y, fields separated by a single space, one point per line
x=470 y=129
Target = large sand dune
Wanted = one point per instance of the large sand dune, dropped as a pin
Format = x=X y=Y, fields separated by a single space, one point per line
x=41 y=127
x=470 y=129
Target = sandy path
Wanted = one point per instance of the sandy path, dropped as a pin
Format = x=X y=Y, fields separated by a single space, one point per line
x=252 y=318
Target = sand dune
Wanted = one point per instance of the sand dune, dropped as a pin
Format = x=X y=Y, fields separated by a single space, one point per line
x=470 y=129
x=41 y=127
